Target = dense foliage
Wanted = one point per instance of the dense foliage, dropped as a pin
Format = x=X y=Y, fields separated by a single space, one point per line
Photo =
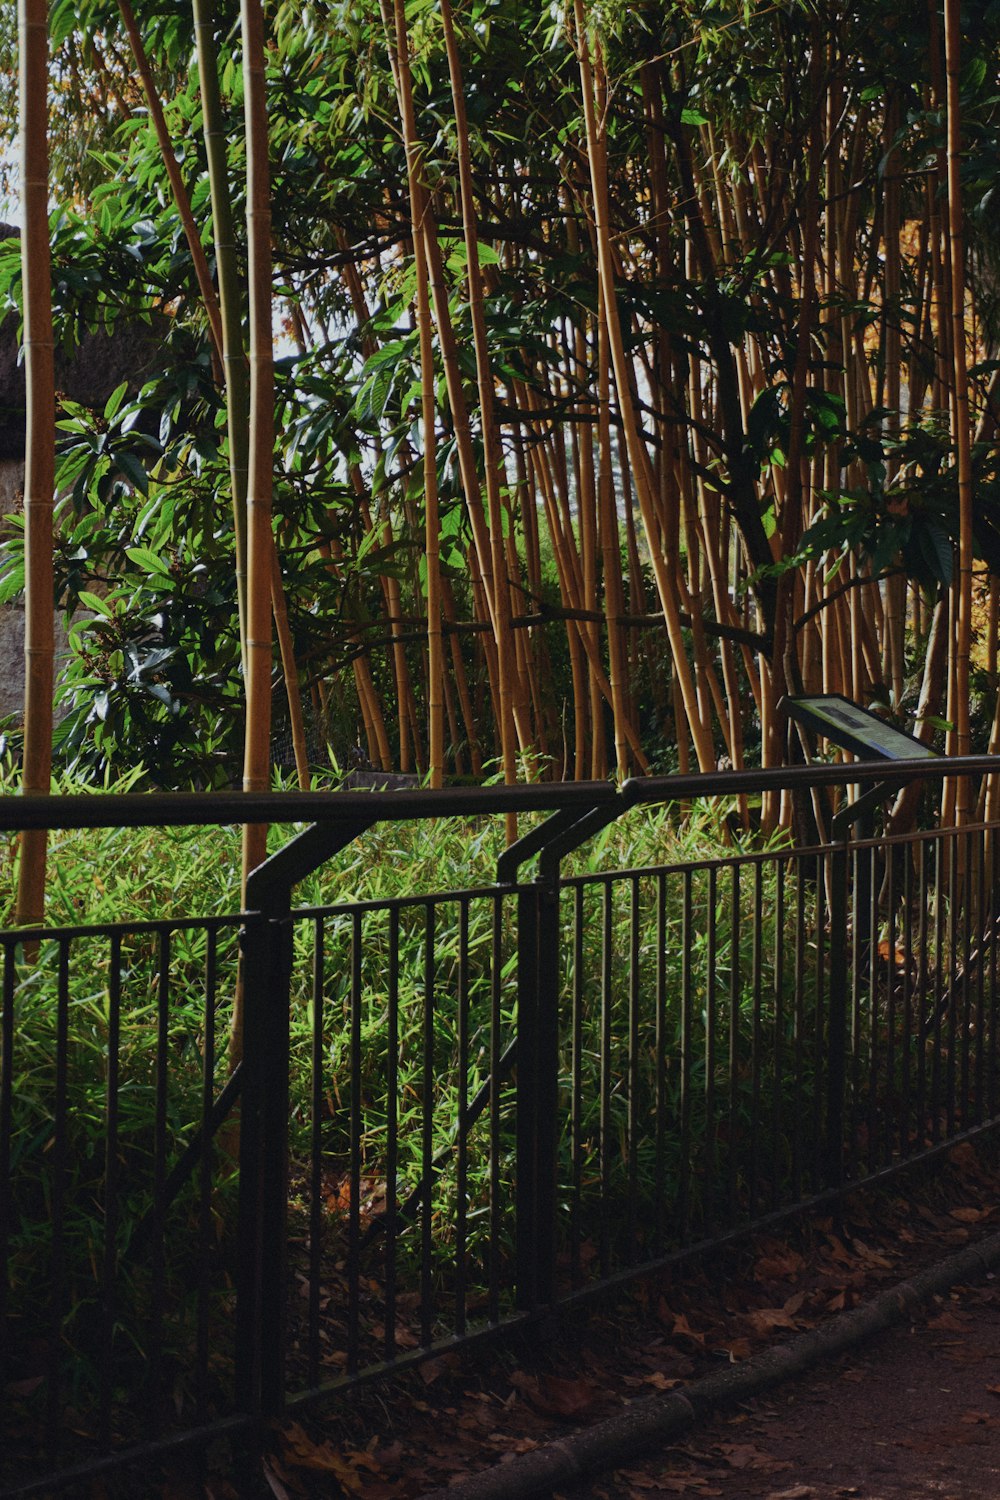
x=710 y=246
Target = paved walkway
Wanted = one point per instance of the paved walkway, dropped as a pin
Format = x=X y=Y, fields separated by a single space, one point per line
x=913 y=1415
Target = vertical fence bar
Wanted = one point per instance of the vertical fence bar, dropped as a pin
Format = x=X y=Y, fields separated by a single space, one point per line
x=735 y=980
x=462 y=1144
x=111 y=1206
x=756 y=1037
x=994 y=919
x=633 y=1069
x=836 y=1044
x=316 y=1150
x=254 y=960
x=894 y=979
x=684 y=1101
x=983 y=940
x=274 y=1165
x=496 y=1145
x=57 y=1264
x=205 y=1178
x=778 y=1030
x=158 y=1254
x=922 y=1018
x=825 y=959
x=859 y=917
x=953 y=982
x=427 y=1301
x=606 y=1079
x=547 y=1146
x=6 y=1117
x=963 y=963
x=537 y=1089
x=939 y=929
x=798 y=1027
x=660 y=1171
x=527 y=1100
x=391 y=1126
x=711 y=1022
x=906 y=1046
x=354 y=1148
x=576 y=1065
x=875 y=1080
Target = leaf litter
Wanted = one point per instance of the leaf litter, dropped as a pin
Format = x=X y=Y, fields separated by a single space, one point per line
x=454 y=1415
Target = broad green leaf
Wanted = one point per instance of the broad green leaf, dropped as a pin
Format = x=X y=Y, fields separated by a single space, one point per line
x=12 y=583
x=148 y=560
x=115 y=400
x=98 y=605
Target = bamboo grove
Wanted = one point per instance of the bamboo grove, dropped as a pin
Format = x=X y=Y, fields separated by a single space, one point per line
x=633 y=365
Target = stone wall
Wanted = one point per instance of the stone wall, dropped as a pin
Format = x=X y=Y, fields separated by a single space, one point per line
x=12 y=615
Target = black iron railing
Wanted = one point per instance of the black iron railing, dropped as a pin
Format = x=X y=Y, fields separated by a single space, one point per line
x=455 y=1109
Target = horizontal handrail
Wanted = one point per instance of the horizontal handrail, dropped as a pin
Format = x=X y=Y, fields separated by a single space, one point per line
x=218 y=809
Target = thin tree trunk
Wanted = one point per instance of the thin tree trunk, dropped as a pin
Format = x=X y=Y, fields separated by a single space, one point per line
x=39 y=470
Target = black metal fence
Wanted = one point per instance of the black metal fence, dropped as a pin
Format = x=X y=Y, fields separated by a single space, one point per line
x=453 y=1109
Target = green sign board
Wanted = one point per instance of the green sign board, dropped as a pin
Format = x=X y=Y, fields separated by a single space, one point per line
x=855 y=729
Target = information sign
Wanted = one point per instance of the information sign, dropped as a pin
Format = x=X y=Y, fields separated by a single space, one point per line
x=856 y=729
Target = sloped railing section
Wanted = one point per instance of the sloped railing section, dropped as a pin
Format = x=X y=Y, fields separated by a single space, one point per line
x=492 y=1100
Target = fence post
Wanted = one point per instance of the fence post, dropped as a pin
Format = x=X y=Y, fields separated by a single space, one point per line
x=836 y=1045
x=261 y=1285
x=537 y=1090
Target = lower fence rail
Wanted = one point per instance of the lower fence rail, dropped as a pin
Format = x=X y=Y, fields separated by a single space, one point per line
x=452 y=1110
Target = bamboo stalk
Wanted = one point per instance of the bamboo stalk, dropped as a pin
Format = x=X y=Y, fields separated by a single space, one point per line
x=638 y=456
x=260 y=541
x=234 y=365
x=419 y=208
x=514 y=711
x=39 y=624
x=173 y=171
x=960 y=404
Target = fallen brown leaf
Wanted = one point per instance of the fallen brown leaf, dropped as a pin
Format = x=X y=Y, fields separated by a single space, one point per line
x=554 y=1396
x=299 y=1450
x=780 y=1267
x=685 y=1484
x=433 y=1369
x=764 y=1319
x=682 y=1329
x=947 y=1322
x=744 y=1456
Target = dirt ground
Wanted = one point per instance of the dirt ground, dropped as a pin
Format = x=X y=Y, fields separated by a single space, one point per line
x=915 y=1414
